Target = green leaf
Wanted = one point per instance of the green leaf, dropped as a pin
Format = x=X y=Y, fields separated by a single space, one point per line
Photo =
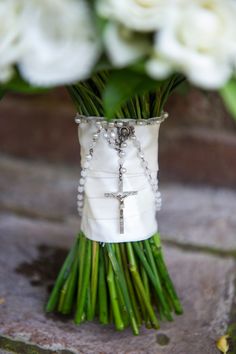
x=17 y=84
x=2 y=92
x=228 y=93
x=123 y=85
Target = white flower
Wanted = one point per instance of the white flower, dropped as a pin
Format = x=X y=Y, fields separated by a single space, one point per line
x=124 y=46
x=138 y=15
x=60 y=42
x=9 y=34
x=198 y=39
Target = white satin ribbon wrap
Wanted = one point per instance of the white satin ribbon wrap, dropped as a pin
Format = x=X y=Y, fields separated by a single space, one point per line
x=100 y=219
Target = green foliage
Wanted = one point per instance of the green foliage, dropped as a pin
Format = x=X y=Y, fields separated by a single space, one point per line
x=124 y=85
x=17 y=84
x=123 y=94
x=228 y=93
x=114 y=282
x=2 y=92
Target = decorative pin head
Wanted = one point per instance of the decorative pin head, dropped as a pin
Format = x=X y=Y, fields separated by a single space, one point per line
x=125 y=132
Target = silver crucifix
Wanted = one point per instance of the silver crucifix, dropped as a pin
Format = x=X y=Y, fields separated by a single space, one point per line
x=120 y=196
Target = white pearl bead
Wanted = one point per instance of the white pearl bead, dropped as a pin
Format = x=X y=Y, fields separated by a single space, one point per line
x=105 y=135
x=88 y=157
x=80 y=189
x=80 y=203
x=141 y=154
x=121 y=153
x=133 y=137
x=77 y=120
x=139 y=122
x=80 y=197
x=124 y=145
x=82 y=181
x=111 y=125
x=92 y=145
x=119 y=124
x=123 y=170
x=95 y=136
x=113 y=135
x=98 y=124
x=166 y=115
x=84 y=173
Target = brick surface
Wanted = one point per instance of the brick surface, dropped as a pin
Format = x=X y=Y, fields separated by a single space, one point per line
x=31 y=253
x=39 y=127
x=198 y=141
x=197 y=155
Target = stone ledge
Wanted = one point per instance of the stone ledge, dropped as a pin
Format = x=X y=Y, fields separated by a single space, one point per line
x=31 y=254
x=200 y=216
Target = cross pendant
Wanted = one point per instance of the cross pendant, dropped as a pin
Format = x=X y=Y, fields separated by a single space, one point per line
x=120 y=196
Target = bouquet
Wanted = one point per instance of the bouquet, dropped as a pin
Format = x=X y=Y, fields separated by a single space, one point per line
x=120 y=61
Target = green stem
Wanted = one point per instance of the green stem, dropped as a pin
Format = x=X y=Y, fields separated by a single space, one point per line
x=66 y=303
x=150 y=258
x=147 y=290
x=124 y=311
x=165 y=274
x=85 y=254
x=114 y=299
x=63 y=274
x=123 y=286
x=138 y=281
x=94 y=279
x=102 y=291
x=155 y=281
x=129 y=284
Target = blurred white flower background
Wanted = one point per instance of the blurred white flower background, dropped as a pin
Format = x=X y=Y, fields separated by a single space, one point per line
x=9 y=33
x=197 y=39
x=59 y=42
x=61 y=45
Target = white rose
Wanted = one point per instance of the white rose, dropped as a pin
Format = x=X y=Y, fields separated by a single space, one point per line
x=9 y=33
x=198 y=40
x=60 y=43
x=138 y=15
x=124 y=46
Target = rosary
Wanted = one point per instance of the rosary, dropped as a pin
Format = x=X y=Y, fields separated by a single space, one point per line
x=123 y=133
x=117 y=134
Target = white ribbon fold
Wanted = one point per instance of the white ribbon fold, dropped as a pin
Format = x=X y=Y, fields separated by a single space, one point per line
x=100 y=219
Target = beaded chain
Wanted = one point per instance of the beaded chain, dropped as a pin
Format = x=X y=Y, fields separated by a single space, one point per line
x=117 y=134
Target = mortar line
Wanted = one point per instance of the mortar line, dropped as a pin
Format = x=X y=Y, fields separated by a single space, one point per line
x=214 y=251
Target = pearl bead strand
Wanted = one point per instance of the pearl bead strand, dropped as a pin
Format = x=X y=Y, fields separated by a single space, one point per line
x=152 y=181
x=85 y=168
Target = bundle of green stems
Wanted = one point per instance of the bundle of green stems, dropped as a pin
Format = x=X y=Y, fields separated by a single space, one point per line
x=127 y=284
